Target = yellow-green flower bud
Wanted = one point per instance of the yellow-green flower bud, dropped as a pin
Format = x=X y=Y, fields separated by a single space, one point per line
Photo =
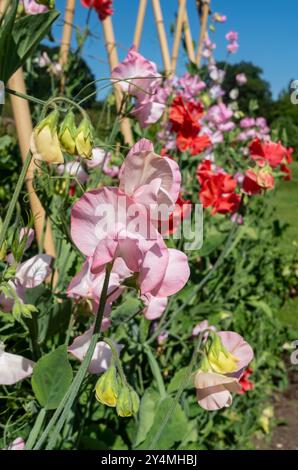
x=106 y=389
x=44 y=143
x=128 y=402
x=67 y=133
x=84 y=139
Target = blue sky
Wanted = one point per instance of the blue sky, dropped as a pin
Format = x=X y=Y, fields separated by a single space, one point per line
x=268 y=34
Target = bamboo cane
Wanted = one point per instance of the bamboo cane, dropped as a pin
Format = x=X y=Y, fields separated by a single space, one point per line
x=111 y=49
x=139 y=23
x=188 y=38
x=178 y=32
x=162 y=35
x=22 y=118
x=67 y=31
x=204 y=19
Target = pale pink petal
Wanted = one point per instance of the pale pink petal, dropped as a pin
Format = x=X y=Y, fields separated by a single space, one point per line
x=237 y=346
x=176 y=274
x=29 y=233
x=91 y=218
x=153 y=268
x=213 y=390
x=33 y=272
x=142 y=167
x=102 y=355
x=148 y=111
x=17 y=444
x=14 y=368
x=154 y=307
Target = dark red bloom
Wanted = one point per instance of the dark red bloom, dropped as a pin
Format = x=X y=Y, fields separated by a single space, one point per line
x=204 y=171
x=245 y=383
x=267 y=152
x=184 y=118
x=255 y=181
x=103 y=7
x=288 y=172
x=218 y=192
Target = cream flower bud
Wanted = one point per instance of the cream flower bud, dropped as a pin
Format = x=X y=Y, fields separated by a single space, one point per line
x=67 y=133
x=128 y=402
x=84 y=139
x=44 y=143
x=106 y=389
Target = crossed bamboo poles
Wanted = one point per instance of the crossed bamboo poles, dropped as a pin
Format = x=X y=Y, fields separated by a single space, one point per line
x=21 y=110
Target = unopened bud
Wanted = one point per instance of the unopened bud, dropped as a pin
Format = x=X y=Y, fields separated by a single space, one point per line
x=44 y=143
x=84 y=139
x=128 y=402
x=106 y=389
x=67 y=133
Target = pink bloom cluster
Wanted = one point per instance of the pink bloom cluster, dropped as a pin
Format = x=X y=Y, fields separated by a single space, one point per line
x=232 y=38
x=33 y=8
x=139 y=78
x=130 y=241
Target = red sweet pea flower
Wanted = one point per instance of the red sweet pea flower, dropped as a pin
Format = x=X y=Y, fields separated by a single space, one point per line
x=288 y=172
x=218 y=192
x=204 y=171
x=184 y=119
x=268 y=152
x=245 y=383
x=103 y=7
x=256 y=180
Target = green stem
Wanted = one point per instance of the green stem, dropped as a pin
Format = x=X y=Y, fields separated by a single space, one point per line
x=56 y=423
x=15 y=197
x=36 y=429
x=156 y=371
x=25 y=96
x=184 y=383
x=117 y=360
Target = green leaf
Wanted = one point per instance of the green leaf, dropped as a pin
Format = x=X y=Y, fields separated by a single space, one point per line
x=174 y=431
x=179 y=378
x=20 y=39
x=146 y=414
x=52 y=376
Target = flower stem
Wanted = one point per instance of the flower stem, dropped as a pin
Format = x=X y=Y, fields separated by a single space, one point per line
x=61 y=414
x=156 y=371
x=183 y=385
x=14 y=199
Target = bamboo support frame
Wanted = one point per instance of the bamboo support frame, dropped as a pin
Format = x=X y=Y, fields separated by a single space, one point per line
x=67 y=31
x=204 y=20
x=188 y=39
x=23 y=122
x=139 y=23
x=178 y=32
x=111 y=49
x=162 y=36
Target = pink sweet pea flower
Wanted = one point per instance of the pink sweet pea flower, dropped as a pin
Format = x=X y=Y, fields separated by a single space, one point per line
x=33 y=8
x=141 y=80
x=140 y=75
x=232 y=36
x=148 y=111
x=214 y=388
x=202 y=326
x=13 y=367
x=233 y=47
x=29 y=274
x=241 y=79
x=148 y=178
x=29 y=234
x=102 y=355
x=17 y=444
